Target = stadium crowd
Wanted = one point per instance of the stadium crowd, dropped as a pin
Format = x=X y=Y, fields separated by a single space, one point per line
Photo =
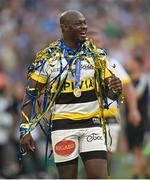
x=27 y=26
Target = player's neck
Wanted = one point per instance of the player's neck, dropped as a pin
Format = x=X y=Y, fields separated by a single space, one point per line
x=71 y=44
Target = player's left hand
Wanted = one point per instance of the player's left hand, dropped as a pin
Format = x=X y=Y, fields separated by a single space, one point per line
x=114 y=84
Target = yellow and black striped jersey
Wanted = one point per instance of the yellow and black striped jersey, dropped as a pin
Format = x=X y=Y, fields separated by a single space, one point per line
x=67 y=106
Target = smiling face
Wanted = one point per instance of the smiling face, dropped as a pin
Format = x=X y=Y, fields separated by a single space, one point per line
x=78 y=28
x=74 y=26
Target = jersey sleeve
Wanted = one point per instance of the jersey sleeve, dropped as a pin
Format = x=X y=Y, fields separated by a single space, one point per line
x=39 y=68
x=120 y=72
x=40 y=74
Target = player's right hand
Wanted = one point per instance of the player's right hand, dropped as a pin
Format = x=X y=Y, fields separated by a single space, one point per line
x=28 y=142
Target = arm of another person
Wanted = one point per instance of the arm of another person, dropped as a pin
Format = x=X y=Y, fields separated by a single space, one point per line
x=131 y=99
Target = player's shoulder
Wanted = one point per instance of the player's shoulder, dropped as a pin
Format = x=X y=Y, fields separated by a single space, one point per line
x=47 y=52
x=101 y=54
x=93 y=48
x=102 y=51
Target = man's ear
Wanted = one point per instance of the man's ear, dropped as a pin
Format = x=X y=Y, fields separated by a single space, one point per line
x=64 y=27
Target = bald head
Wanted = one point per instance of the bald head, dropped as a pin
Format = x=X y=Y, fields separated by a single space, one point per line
x=73 y=26
x=67 y=16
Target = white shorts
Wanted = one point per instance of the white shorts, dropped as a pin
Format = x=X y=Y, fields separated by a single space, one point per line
x=68 y=144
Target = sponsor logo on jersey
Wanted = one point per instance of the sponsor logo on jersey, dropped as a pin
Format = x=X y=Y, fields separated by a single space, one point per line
x=93 y=137
x=83 y=66
x=65 y=148
x=85 y=85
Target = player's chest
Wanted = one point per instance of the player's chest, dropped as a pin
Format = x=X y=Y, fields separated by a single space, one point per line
x=85 y=69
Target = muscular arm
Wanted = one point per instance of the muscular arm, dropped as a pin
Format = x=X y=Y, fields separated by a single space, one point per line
x=131 y=99
x=28 y=107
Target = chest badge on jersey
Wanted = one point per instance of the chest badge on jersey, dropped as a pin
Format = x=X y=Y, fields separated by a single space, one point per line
x=77 y=92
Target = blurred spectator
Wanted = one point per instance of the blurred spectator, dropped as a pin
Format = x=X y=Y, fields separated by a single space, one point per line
x=6 y=122
x=135 y=133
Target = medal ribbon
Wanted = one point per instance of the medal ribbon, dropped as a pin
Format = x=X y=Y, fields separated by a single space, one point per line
x=77 y=74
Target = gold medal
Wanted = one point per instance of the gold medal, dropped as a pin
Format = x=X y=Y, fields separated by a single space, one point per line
x=77 y=92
